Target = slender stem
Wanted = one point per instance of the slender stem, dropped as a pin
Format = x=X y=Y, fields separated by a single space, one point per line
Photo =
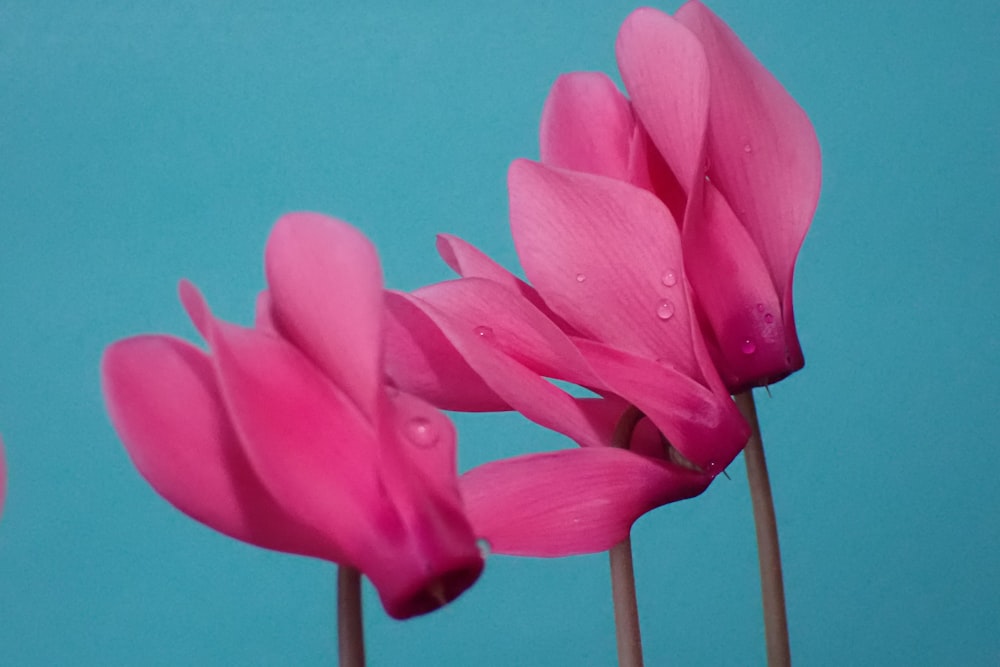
x=771 y=587
x=626 y=608
x=622 y=574
x=350 y=628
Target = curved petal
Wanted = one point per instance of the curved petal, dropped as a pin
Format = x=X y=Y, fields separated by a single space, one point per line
x=428 y=553
x=587 y=125
x=420 y=359
x=570 y=502
x=326 y=288
x=605 y=256
x=520 y=387
x=763 y=150
x=307 y=442
x=512 y=325
x=735 y=294
x=705 y=427
x=164 y=404
x=666 y=75
x=469 y=261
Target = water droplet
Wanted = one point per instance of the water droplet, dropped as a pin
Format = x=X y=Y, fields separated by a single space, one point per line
x=669 y=279
x=485 y=548
x=747 y=148
x=748 y=347
x=580 y=277
x=710 y=467
x=769 y=318
x=484 y=332
x=665 y=310
x=421 y=432
x=760 y=308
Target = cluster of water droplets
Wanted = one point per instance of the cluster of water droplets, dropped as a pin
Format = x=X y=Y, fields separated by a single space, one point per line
x=665 y=307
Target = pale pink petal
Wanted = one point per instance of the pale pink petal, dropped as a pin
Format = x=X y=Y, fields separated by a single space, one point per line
x=519 y=386
x=606 y=256
x=666 y=75
x=570 y=502
x=326 y=289
x=163 y=401
x=420 y=359
x=705 y=427
x=469 y=261
x=587 y=125
x=737 y=298
x=763 y=151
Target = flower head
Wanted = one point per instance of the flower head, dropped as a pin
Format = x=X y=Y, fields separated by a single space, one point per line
x=715 y=136
x=284 y=435
x=608 y=309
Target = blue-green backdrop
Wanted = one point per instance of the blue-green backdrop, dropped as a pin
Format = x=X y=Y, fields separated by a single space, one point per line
x=145 y=142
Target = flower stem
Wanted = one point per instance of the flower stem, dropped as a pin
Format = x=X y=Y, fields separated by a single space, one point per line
x=622 y=574
x=771 y=587
x=350 y=628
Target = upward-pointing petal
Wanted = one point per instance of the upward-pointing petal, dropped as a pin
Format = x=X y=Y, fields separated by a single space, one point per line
x=606 y=257
x=587 y=125
x=666 y=75
x=326 y=292
x=763 y=151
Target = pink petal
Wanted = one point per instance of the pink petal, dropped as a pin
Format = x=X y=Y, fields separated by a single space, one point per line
x=326 y=287
x=735 y=294
x=606 y=257
x=427 y=552
x=705 y=427
x=763 y=151
x=519 y=386
x=511 y=324
x=308 y=443
x=420 y=359
x=570 y=502
x=415 y=433
x=470 y=262
x=666 y=75
x=163 y=401
x=587 y=125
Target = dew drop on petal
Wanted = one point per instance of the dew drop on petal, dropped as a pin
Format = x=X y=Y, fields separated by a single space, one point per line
x=669 y=279
x=484 y=332
x=748 y=347
x=580 y=277
x=760 y=308
x=665 y=310
x=747 y=148
x=421 y=432
x=769 y=318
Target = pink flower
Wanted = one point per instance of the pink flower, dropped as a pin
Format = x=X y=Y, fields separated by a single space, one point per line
x=716 y=137
x=608 y=309
x=284 y=435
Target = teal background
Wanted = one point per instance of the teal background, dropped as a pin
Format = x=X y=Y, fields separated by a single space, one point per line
x=145 y=142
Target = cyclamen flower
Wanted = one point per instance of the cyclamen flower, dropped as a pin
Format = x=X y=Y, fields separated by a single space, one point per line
x=284 y=435
x=608 y=309
x=718 y=139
